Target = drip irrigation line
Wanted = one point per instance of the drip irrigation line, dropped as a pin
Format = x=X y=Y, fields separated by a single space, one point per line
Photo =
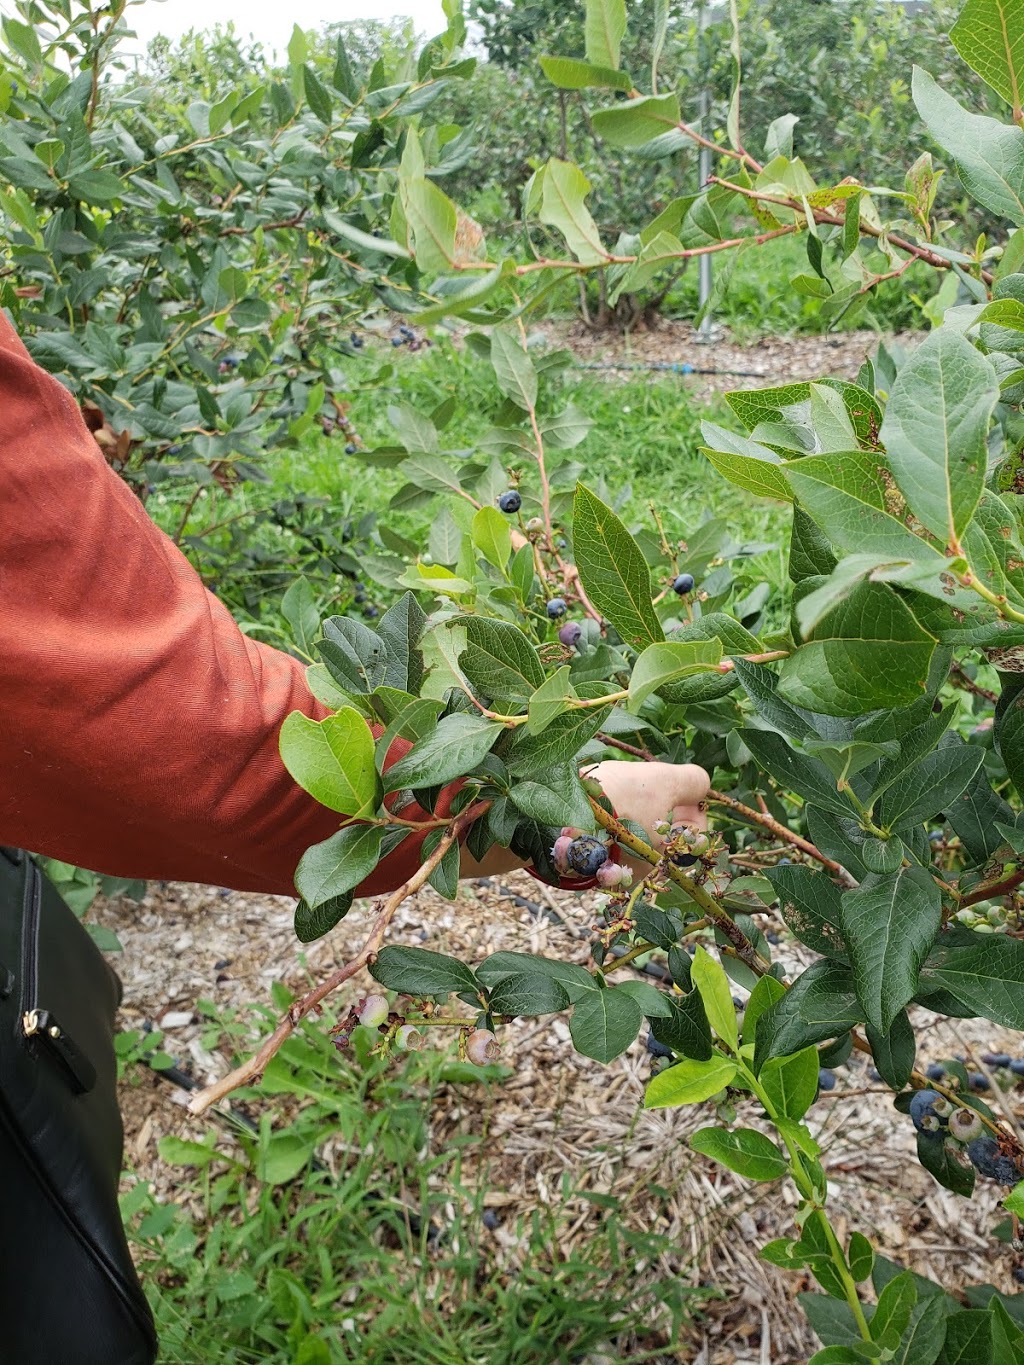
x=672 y=367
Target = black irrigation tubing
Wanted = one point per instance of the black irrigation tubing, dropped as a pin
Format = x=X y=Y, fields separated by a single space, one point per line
x=671 y=367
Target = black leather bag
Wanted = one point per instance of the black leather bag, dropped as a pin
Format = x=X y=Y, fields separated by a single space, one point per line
x=69 y=1294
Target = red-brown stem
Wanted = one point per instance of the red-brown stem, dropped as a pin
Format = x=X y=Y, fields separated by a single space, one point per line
x=250 y=1072
x=993 y=890
x=780 y=831
x=614 y=743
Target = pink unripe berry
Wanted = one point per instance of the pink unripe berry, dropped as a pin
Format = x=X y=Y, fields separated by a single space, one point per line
x=560 y=854
x=570 y=832
x=613 y=874
x=373 y=1011
x=408 y=1038
x=482 y=1047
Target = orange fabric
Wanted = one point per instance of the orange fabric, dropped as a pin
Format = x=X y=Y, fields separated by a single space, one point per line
x=138 y=725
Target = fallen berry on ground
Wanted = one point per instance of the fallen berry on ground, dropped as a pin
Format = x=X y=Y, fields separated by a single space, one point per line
x=996 y=1058
x=489 y=1219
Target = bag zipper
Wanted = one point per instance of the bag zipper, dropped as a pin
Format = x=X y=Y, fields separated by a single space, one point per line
x=38 y=1023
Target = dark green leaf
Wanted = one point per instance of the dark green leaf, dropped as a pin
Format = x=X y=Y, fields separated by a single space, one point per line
x=555 y=799
x=498 y=659
x=968 y=1338
x=939 y=1161
x=452 y=750
x=889 y=924
x=419 y=972
x=613 y=570
x=810 y=905
x=894 y=1052
x=576 y=981
x=930 y=786
x=686 y=1030
x=312 y=923
x=987 y=976
x=328 y=870
x=528 y=994
x=604 y=1023
x=891 y=1317
x=808 y=777
x=821 y=1004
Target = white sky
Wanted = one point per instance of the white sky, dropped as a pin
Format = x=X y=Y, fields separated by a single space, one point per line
x=271 y=21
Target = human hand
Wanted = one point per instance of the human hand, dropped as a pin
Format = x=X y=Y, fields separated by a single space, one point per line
x=649 y=793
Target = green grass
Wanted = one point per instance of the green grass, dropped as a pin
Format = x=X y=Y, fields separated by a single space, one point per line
x=385 y=1260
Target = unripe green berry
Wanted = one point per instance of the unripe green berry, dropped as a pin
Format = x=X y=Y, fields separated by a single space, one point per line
x=373 y=1011
x=965 y=1125
x=409 y=1038
x=482 y=1047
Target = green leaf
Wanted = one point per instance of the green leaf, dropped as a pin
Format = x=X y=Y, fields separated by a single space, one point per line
x=742 y=1150
x=555 y=799
x=889 y=924
x=867 y=653
x=821 y=1004
x=317 y=97
x=575 y=980
x=989 y=35
x=891 y=1317
x=810 y=904
x=613 y=571
x=987 y=976
x=400 y=628
x=713 y=984
x=550 y=701
x=526 y=995
x=808 y=777
x=452 y=750
x=513 y=369
x=633 y=122
x=563 y=190
x=419 y=972
x=604 y=29
x=432 y=220
x=894 y=1052
x=689 y=1082
x=1009 y=728
x=492 y=536
x=847 y=496
x=356 y=656
x=668 y=662
x=328 y=870
x=570 y=74
x=604 y=1023
x=929 y=786
x=791 y=1083
x=765 y=994
x=935 y=429
x=299 y=609
x=654 y=1003
x=750 y=466
x=968 y=1338
x=686 y=1029
x=861 y=1257
x=332 y=759
x=283 y=1156
x=989 y=155
x=313 y=922
x=498 y=659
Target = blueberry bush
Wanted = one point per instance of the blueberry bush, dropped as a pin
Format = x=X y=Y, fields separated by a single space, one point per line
x=868 y=722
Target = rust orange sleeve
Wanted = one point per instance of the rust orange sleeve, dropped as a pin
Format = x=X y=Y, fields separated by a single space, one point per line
x=138 y=725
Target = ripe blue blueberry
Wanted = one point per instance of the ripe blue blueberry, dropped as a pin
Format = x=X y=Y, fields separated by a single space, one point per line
x=655 y=1048
x=683 y=584
x=977 y=1081
x=826 y=1079
x=350 y=449
x=556 y=608
x=174 y=450
x=371 y=612
x=396 y=341
x=1017 y=1066
x=935 y=1072
x=996 y=1058
x=922 y=1113
x=773 y=939
x=986 y=1157
x=586 y=854
x=510 y=502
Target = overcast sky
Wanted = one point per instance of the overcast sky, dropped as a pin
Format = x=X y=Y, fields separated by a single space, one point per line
x=271 y=20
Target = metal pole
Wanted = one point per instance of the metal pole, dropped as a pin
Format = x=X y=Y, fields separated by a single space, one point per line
x=704 y=172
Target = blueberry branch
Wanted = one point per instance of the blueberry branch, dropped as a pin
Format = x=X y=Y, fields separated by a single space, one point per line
x=250 y=1072
x=745 y=950
x=769 y=822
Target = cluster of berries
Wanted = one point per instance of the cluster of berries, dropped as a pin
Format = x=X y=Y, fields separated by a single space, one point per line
x=407 y=337
x=482 y=1046
x=582 y=855
x=998 y=1061
x=360 y=600
x=569 y=634
x=685 y=844
x=932 y=1113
